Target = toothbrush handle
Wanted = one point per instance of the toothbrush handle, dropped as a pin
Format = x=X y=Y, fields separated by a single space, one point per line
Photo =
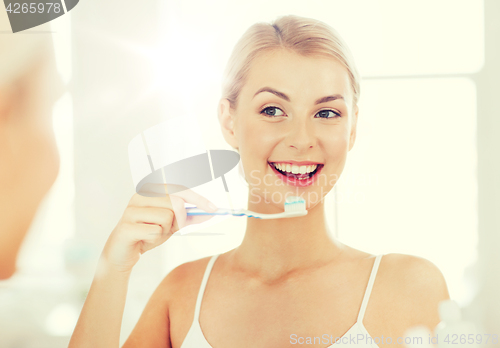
x=192 y=211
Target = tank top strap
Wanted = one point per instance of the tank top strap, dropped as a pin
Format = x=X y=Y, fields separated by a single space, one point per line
x=369 y=287
x=202 y=286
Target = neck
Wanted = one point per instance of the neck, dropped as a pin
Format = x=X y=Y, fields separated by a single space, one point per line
x=273 y=248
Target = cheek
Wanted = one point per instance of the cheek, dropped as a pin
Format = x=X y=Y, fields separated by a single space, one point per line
x=339 y=146
x=254 y=148
x=335 y=142
x=257 y=137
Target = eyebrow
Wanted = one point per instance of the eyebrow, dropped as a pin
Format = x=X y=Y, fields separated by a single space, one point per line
x=273 y=91
x=285 y=97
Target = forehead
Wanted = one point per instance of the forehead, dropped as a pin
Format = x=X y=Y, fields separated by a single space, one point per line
x=298 y=76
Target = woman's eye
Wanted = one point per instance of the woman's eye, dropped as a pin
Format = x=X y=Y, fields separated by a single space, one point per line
x=272 y=111
x=327 y=114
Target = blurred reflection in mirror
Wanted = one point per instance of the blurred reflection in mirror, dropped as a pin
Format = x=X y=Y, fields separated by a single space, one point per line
x=29 y=162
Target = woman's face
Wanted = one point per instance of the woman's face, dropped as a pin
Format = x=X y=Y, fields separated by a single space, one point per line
x=293 y=125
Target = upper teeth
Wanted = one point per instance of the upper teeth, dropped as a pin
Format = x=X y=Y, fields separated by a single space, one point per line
x=294 y=169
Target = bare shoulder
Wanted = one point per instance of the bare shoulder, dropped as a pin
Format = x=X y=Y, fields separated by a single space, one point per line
x=415 y=286
x=183 y=284
x=183 y=279
x=155 y=327
x=413 y=273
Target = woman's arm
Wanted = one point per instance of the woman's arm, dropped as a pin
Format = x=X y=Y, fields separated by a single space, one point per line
x=146 y=223
x=100 y=321
x=153 y=327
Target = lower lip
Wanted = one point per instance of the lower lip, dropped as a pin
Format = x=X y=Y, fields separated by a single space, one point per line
x=296 y=182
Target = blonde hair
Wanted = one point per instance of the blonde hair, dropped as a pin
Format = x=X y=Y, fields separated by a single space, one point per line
x=305 y=36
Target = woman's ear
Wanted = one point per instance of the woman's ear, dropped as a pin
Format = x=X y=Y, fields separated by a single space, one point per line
x=354 y=122
x=227 y=124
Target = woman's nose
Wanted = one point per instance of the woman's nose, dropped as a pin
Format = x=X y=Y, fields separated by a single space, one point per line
x=301 y=135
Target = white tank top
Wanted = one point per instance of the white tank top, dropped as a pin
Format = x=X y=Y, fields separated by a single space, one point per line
x=196 y=339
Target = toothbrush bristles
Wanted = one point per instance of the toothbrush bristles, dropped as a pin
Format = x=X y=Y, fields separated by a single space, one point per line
x=295 y=204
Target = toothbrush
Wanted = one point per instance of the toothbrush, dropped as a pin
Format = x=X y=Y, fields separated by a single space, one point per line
x=294 y=206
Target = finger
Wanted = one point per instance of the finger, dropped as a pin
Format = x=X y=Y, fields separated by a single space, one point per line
x=179 y=212
x=142 y=201
x=154 y=235
x=165 y=201
x=192 y=197
x=152 y=215
x=148 y=233
x=154 y=242
x=171 y=219
x=150 y=236
x=175 y=202
x=183 y=219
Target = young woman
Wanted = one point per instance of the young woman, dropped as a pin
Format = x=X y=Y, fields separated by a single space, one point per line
x=289 y=107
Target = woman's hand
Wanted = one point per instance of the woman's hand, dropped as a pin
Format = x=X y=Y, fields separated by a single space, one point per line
x=148 y=222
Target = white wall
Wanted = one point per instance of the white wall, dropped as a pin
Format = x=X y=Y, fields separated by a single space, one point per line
x=485 y=308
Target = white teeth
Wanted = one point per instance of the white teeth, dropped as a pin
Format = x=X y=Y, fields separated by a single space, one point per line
x=294 y=169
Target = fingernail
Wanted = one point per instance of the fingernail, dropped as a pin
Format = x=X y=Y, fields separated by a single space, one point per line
x=212 y=206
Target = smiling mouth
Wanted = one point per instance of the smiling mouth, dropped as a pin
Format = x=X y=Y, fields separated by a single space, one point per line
x=296 y=172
